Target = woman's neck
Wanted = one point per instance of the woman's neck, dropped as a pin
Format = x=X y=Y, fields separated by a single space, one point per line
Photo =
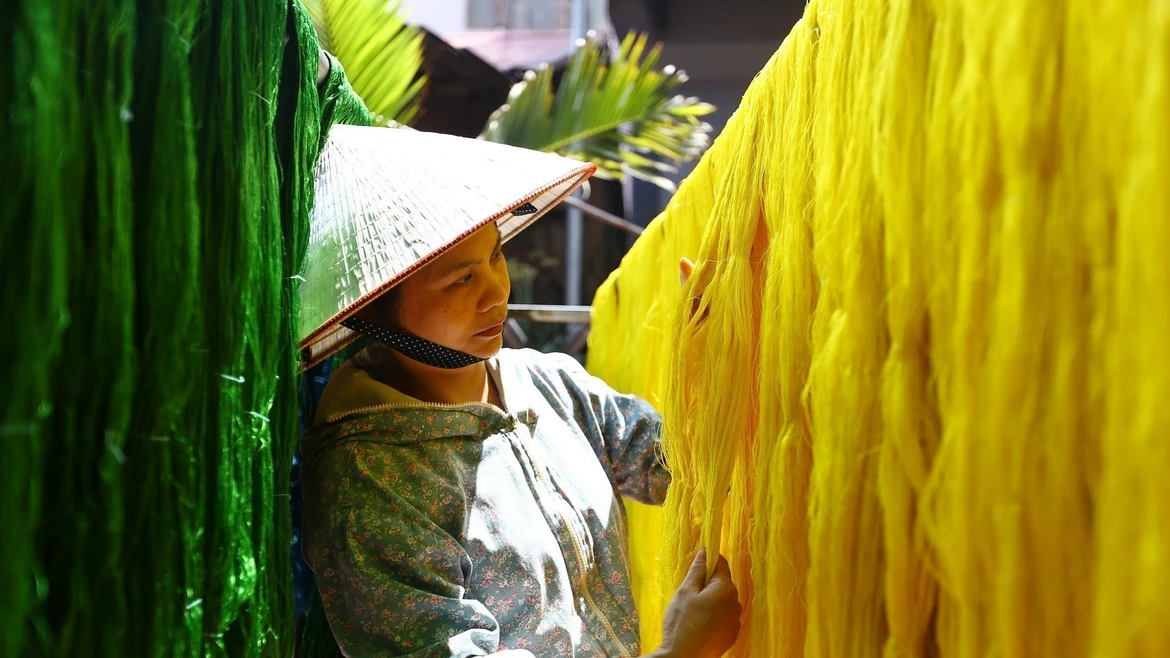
x=438 y=385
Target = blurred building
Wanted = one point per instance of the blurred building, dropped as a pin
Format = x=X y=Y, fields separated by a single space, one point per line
x=721 y=46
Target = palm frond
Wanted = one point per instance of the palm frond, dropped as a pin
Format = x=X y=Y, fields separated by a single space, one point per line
x=621 y=115
x=381 y=53
x=316 y=10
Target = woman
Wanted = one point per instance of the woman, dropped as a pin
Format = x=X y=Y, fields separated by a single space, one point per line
x=460 y=499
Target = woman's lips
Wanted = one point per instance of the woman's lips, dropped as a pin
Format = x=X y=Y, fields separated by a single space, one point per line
x=492 y=331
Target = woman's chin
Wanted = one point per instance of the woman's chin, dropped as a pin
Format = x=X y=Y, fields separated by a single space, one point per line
x=485 y=347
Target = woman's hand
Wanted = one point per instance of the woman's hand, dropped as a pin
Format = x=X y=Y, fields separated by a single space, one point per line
x=685 y=269
x=702 y=620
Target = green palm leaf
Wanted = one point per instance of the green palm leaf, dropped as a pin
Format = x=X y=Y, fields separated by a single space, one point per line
x=382 y=55
x=621 y=115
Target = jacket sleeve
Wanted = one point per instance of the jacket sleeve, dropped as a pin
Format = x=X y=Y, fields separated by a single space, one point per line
x=392 y=582
x=626 y=433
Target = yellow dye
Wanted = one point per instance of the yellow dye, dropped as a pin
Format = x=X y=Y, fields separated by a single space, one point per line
x=918 y=387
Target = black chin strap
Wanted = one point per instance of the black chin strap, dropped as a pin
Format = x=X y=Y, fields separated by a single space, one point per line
x=411 y=346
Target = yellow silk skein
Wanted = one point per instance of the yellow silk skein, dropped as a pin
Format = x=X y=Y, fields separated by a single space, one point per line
x=915 y=390
x=644 y=293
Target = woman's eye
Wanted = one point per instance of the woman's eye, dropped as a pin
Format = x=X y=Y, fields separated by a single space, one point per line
x=497 y=256
x=464 y=281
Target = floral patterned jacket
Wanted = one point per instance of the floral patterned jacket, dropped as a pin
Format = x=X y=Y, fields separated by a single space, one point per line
x=470 y=530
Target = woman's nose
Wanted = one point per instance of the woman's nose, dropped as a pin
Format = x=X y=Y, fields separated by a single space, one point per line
x=497 y=291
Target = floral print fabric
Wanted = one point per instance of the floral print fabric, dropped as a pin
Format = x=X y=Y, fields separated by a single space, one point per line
x=470 y=530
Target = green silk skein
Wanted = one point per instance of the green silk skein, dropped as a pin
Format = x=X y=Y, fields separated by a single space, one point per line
x=158 y=161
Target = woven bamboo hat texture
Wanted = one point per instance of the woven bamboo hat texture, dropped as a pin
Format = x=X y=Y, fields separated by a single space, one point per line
x=388 y=201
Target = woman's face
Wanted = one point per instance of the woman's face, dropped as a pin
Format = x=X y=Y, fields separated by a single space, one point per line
x=460 y=299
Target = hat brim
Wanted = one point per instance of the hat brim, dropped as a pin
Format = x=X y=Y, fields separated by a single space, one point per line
x=385 y=237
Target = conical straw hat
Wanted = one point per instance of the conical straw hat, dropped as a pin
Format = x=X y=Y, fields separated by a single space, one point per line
x=388 y=201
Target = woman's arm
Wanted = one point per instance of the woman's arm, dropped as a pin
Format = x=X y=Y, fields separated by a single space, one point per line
x=628 y=432
x=625 y=432
x=632 y=432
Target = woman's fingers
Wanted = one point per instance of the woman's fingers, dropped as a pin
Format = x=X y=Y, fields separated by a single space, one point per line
x=685 y=269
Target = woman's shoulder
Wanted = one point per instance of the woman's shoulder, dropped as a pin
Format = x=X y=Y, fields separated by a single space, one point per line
x=539 y=361
x=551 y=375
x=548 y=362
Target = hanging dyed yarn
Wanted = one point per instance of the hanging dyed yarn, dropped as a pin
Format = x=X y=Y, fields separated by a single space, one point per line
x=923 y=345
x=638 y=367
x=158 y=163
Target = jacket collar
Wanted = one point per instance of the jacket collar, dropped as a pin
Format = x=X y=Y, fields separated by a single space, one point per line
x=356 y=402
x=353 y=387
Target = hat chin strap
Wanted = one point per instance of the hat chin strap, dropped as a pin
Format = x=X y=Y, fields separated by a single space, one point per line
x=411 y=346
